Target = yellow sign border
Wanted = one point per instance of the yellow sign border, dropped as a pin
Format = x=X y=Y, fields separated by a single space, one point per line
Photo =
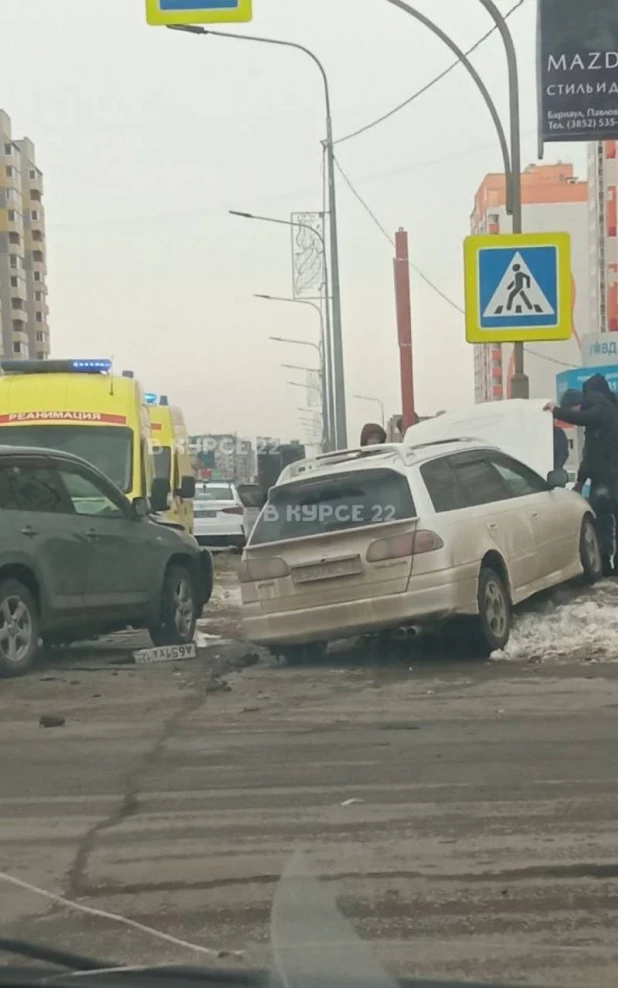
x=168 y=18
x=475 y=243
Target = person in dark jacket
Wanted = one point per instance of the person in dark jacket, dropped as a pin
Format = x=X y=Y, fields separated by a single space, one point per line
x=561 y=447
x=372 y=435
x=596 y=409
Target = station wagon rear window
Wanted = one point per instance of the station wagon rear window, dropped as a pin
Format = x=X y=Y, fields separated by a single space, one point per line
x=336 y=503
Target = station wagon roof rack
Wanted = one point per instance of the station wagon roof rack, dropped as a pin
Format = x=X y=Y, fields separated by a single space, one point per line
x=446 y=442
x=405 y=452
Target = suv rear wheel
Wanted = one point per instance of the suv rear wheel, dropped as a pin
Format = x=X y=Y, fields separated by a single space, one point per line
x=19 y=628
x=179 y=608
x=490 y=631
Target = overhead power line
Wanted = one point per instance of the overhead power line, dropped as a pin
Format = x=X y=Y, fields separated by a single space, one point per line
x=428 y=85
x=421 y=274
x=385 y=232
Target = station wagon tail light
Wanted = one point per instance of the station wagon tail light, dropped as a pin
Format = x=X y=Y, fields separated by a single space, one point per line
x=410 y=544
x=269 y=568
x=238 y=510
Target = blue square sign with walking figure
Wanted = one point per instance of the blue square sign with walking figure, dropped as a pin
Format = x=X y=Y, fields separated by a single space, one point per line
x=518 y=287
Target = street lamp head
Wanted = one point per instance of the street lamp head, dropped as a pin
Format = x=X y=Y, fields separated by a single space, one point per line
x=237 y=212
x=259 y=295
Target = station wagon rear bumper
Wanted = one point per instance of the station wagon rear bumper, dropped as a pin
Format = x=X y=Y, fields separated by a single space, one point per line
x=434 y=597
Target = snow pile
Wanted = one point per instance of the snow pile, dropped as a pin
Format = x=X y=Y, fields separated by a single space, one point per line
x=567 y=627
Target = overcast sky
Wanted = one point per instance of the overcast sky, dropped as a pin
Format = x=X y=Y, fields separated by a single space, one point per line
x=147 y=138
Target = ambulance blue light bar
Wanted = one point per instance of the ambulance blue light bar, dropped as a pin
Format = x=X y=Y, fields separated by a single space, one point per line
x=150 y=399
x=92 y=366
x=56 y=366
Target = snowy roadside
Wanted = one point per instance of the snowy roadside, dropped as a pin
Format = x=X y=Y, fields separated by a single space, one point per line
x=567 y=626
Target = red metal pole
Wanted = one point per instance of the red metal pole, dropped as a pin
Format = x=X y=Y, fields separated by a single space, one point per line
x=404 y=327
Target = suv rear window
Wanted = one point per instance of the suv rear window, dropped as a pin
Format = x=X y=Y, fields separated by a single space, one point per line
x=334 y=504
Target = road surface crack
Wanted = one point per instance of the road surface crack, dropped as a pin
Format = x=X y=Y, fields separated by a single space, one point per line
x=128 y=805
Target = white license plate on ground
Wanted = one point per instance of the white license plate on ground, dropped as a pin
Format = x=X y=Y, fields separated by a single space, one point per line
x=165 y=653
x=350 y=566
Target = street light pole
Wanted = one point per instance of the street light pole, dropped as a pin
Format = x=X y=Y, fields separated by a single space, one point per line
x=467 y=64
x=327 y=363
x=330 y=387
x=378 y=402
x=321 y=371
x=337 y=340
x=520 y=385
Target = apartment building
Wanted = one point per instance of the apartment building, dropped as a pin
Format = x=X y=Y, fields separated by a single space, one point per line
x=23 y=253
x=553 y=200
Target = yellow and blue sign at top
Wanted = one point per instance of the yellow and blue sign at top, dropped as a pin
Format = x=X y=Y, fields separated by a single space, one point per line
x=518 y=287
x=167 y=13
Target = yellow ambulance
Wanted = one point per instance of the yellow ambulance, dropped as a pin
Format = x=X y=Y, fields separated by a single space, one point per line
x=171 y=459
x=80 y=407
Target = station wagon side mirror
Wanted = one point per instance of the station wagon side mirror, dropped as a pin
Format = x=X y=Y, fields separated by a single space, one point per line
x=557 y=478
x=159 y=494
x=141 y=508
x=187 y=488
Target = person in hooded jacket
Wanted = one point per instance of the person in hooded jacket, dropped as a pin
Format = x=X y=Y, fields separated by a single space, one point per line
x=596 y=409
x=561 y=447
x=372 y=435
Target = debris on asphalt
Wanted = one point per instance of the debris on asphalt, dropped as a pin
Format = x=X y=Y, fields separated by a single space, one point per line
x=352 y=802
x=249 y=710
x=247 y=660
x=51 y=720
x=218 y=686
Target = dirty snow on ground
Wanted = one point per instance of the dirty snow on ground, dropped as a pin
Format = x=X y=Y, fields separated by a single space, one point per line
x=224 y=597
x=567 y=625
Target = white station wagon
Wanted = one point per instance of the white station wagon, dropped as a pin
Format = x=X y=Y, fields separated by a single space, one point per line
x=405 y=535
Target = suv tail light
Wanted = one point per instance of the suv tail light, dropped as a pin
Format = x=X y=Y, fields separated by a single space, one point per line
x=410 y=544
x=238 y=510
x=269 y=568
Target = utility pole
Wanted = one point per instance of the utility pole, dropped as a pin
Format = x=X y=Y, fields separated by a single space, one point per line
x=404 y=328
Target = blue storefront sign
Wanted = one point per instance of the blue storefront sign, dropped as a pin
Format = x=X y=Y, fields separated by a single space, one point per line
x=575 y=378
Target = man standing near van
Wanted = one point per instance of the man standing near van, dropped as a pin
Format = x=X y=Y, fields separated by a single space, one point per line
x=596 y=409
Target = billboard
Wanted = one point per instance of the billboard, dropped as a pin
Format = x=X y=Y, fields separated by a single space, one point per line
x=577 y=70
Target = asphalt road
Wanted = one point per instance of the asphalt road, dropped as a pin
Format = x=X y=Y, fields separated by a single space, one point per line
x=480 y=841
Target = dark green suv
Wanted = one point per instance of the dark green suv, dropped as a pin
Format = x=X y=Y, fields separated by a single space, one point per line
x=77 y=559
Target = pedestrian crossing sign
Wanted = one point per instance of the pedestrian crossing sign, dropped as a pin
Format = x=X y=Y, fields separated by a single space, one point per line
x=518 y=287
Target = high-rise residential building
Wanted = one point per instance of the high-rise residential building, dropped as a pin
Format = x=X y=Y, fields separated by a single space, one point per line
x=553 y=200
x=23 y=252
x=603 y=235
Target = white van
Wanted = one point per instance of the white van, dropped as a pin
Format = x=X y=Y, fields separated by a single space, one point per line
x=400 y=535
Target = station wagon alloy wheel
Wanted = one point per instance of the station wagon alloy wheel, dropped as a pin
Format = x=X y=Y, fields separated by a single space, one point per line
x=491 y=629
x=590 y=552
x=496 y=608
